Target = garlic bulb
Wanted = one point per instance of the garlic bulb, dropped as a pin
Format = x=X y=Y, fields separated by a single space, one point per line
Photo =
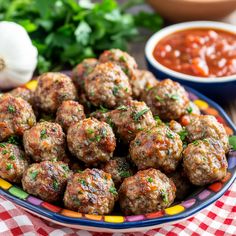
x=18 y=56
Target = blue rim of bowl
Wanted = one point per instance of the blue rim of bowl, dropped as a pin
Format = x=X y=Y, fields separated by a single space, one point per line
x=136 y=224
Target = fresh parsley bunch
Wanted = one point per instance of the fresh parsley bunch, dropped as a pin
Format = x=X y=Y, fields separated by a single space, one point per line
x=67 y=31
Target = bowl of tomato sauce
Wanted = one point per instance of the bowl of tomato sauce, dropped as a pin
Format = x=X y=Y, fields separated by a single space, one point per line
x=199 y=54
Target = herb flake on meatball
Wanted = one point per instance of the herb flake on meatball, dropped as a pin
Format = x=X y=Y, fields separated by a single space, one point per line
x=91 y=141
x=91 y=191
x=145 y=192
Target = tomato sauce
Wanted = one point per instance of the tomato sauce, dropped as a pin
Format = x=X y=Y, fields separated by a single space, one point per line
x=198 y=52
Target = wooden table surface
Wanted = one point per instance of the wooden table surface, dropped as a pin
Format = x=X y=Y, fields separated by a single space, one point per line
x=137 y=50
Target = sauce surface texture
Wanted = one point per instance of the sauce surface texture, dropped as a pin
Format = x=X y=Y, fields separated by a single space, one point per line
x=199 y=52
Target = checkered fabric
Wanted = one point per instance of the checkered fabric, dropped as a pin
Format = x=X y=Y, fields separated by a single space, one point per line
x=217 y=219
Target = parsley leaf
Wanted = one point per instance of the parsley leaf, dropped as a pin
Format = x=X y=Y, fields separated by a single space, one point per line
x=138 y=115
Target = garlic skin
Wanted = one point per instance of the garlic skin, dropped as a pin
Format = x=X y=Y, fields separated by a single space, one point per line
x=18 y=56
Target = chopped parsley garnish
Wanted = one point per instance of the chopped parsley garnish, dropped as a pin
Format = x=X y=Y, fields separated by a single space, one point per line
x=11 y=109
x=174 y=96
x=14 y=139
x=149 y=179
x=83 y=182
x=183 y=134
x=90 y=131
x=55 y=184
x=126 y=71
x=43 y=134
x=122 y=59
x=232 y=142
x=196 y=142
x=4 y=152
x=122 y=108
x=113 y=190
x=169 y=135
x=109 y=121
x=124 y=174
x=65 y=168
x=2 y=145
x=158 y=98
x=96 y=138
x=189 y=110
x=12 y=157
x=103 y=109
x=115 y=90
x=33 y=174
x=9 y=166
x=137 y=115
x=164 y=196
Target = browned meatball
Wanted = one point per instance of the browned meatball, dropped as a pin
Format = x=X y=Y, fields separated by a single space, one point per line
x=81 y=72
x=107 y=86
x=167 y=99
x=157 y=147
x=91 y=141
x=119 y=168
x=204 y=161
x=52 y=90
x=123 y=59
x=13 y=162
x=143 y=81
x=131 y=118
x=206 y=126
x=183 y=185
x=145 y=192
x=69 y=113
x=23 y=93
x=91 y=191
x=45 y=142
x=175 y=126
x=16 y=116
x=46 y=180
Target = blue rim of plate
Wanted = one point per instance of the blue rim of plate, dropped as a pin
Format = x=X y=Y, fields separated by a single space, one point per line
x=56 y=217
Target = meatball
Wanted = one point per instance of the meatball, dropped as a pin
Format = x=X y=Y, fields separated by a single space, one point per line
x=143 y=81
x=16 y=116
x=204 y=161
x=91 y=141
x=157 y=147
x=23 y=93
x=206 y=126
x=122 y=59
x=183 y=185
x=45 y=142
x=90 y=191
x=52 y=90
x=175 y=126
x=130 y=119
x=81 y=72
x=13 y=162
x=46 y=180
x=145 y=192
x=119 y=169
x=69 y=113
x=107 y=86
x=167 y=99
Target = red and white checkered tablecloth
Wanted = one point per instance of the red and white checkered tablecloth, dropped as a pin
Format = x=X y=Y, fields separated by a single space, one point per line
x=217 y=219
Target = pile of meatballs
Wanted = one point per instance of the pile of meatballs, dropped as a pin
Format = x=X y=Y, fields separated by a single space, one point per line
x=110 y=137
